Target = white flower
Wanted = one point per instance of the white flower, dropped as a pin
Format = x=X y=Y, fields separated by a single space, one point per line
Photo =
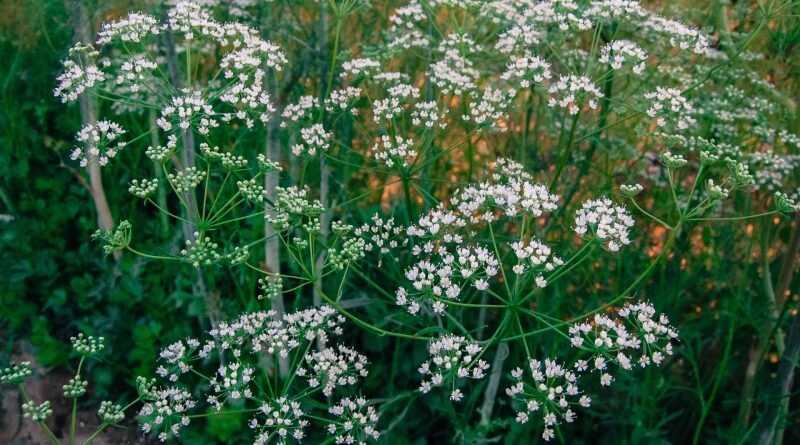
x=524 y=71
x=609 y=222
x=571 y=92
x=624 y=52
x=452 y=358
x=313 y=138
x=100 y=141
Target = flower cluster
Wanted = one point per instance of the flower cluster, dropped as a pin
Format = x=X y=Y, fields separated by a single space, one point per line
x=332 y=368
x=669 y=107
x=551 y=394
x=356 y=422
x=16 y=373
x=76 y=79
x=110 y=413
x=189 y=109
x=608 y=222
x=634 y=329
x=624 y=52
x=524 y=71
x=201 y=251
x=281 y=416
x=312 y=138
x=87 y=345
x=37 y=413
x=442 y=276
x=98 y=141
x=572 y=92
x=142 y=188
x=452 y=358
x=394 y=152
x=165 y=412
x=259 y=337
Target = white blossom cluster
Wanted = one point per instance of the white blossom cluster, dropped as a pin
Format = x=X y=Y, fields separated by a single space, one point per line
x=382 y=236
x=76 y=79
x=390 y=107
x=771 y=170
x=551 y=394
x=394 y=152
x=133 y=74
x=609 y=10
x=448 y=264
x=299 y=110
x=454 y=73
x=237 y=347
x=452 y=359
x=189 y=109
x=100 y=141
x=333 y=367
x=621 y=53
x=607 y=221
x=518 y=39
x=361 y=67
x=404 y=31
x=678 y=34
x=441 y=275
x=343 y=99
x=634 y=334
x=572 y=92
x=281 y=417
x=131 y=29
x=524 y=71
x=232 y=381
x=564 y=14
x=177 y=358
x=313 y=139
x=511 y=193
x=487 y=109
x=427 y=114
x=356 y=422
x=535 y=256
x=165 y=412
x=669 y=107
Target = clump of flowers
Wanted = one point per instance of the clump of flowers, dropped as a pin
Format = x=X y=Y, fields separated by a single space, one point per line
x=238 y=347
x=465 y=263
x=609 y=222
x=100 y=141
x=551 y=394
x=452 y=358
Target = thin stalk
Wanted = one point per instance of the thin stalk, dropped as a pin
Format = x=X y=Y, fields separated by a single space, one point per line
x=88 y=108
x=602 y=121
x=565 y=151
x=722 y=366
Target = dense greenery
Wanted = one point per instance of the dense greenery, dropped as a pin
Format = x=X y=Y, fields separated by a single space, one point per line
x=719 y=258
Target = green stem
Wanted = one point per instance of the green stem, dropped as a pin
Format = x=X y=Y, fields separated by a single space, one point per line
x=736 y=218
x=409 y=203
x=370 y=327
x=565 y=150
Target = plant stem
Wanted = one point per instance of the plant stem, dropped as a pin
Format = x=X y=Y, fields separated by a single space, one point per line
x=565 y=151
